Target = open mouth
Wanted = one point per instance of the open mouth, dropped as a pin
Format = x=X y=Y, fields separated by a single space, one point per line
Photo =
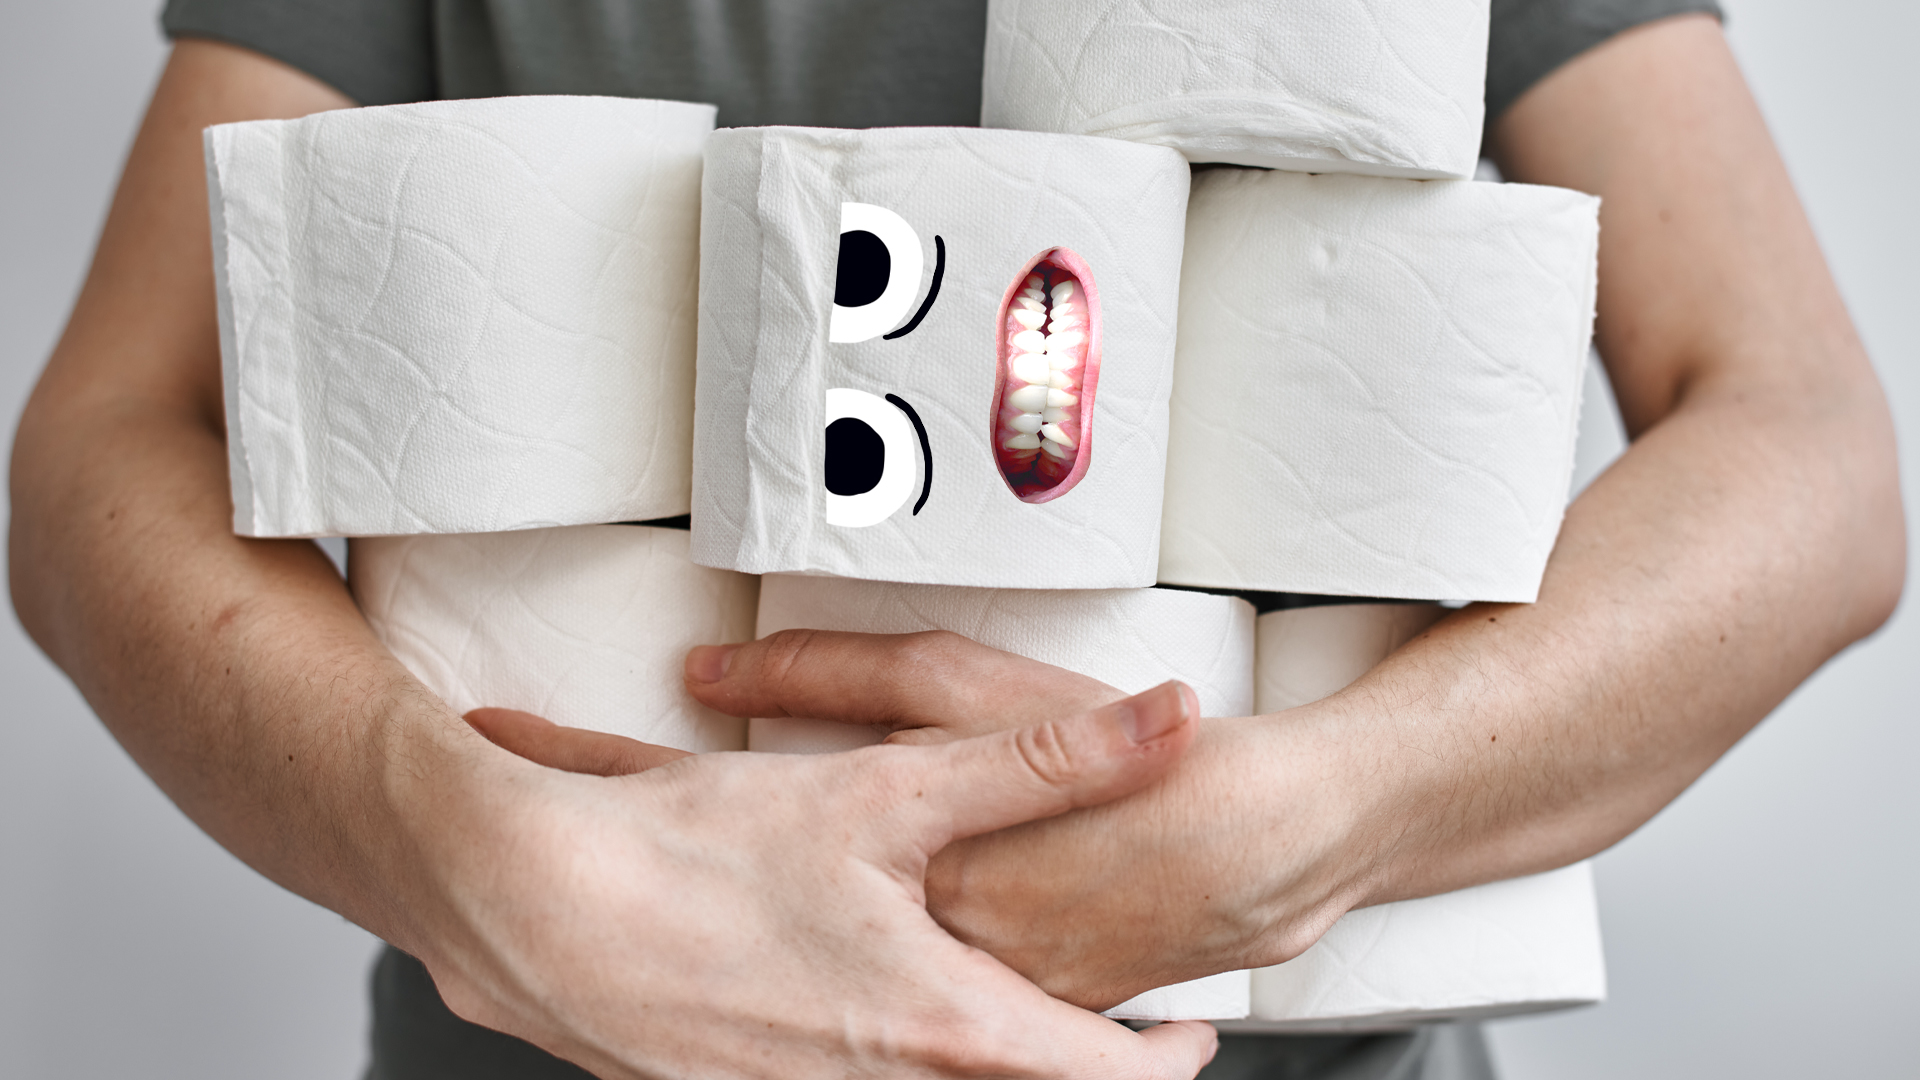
x=1048 y=369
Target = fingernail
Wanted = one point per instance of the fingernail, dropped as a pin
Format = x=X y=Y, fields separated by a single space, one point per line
x=709 y=663
x=1146 y=717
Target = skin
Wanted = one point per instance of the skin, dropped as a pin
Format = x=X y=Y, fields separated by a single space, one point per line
x=1753 y=530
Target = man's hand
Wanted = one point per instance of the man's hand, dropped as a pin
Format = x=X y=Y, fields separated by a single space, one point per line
x=757 y=915
x=1094 y=906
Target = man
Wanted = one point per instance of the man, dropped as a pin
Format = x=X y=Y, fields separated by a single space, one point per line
x=641 y=926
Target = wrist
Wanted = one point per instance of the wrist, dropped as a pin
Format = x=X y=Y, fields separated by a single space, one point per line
x=434 y=789
x=1323 y=812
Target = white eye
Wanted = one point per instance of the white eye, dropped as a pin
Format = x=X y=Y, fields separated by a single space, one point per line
x=878 y=273
x=871 y=448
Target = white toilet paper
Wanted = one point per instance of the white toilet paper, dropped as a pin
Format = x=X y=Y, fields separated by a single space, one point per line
x=586 y=626
x=458 y=316
x=1387 y=89
x=871 y=402
x=1306 y=654
x=1511 y=947
x=1527 y=945
x=1131 y=639
x=1378 y=384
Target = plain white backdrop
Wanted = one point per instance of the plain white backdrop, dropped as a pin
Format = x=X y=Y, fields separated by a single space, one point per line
x=1763 y=926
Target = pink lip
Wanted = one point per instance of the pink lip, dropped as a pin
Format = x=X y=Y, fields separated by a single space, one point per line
x=1039 y=466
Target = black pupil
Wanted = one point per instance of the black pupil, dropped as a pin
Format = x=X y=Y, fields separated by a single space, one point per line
x=856 y=457
x=864 y=269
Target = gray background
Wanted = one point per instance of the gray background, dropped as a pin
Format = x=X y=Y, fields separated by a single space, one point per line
x=1762 y=926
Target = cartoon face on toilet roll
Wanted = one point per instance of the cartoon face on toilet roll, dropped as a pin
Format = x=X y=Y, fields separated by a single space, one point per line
x=909 y=339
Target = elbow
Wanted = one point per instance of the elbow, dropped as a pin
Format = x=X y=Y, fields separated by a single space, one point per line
x=1882 y=577
x=1874 y=565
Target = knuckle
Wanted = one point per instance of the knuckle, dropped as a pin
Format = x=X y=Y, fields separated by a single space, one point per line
x=956 y=1049
x=1048 y=755
x=782 y=656
x=930 y=649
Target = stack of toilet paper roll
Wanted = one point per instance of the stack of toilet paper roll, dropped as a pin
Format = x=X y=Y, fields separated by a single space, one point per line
x=1375 y=395
x=998 y=381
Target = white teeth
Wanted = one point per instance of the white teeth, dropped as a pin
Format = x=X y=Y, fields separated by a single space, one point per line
x=1064 y=291
x=1035 y=281
x=1052 y=416
x=1026 y=423
x=1028 y=399
x=1029 y=341
x=1022 y=442
x=1029 y=319
x=1065 y=340
x=1033 y=294
x=1062 y=325
x=1064 y=361
x=1060 y=399
x=1028 y=303
x=1055 y=434
x=1053 y=449
x=1066 y=309
x=1032 y=368
x=1060 y=380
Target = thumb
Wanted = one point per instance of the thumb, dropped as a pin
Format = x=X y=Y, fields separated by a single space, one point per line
x=978 y=785
x=544 y=742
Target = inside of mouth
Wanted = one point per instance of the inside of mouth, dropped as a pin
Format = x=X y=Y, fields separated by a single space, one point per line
x=1046 y=379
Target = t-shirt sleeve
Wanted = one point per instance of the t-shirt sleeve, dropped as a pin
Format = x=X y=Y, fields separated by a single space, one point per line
x=1530 y=38
x=377 y=52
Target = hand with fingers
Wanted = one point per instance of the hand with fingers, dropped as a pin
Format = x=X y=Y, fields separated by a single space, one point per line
x=1095 y=906
x=748 y=915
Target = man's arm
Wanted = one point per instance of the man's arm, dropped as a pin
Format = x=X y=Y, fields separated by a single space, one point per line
x=1753 y=529
x=639 y=925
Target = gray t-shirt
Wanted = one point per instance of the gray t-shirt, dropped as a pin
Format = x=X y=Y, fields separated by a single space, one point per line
x=834 y=63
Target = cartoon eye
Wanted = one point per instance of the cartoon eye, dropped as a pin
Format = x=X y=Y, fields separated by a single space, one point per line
x=870 y=457
x=878 y=274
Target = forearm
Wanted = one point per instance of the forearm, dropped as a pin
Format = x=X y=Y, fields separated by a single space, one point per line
x=1695 y=585
x=237 y=673
x=1752 y=530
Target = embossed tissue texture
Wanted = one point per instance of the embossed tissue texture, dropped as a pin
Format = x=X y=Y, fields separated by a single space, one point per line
x=1378 y=383
x=458 y=316
x=1131 y=639
x=1366 y=86
x=982 y=204
x=587 y=626
x=1526 y=945
x=1509 y=948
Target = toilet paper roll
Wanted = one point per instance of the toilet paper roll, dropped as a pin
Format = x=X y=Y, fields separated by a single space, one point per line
x=458 y=316
x=586 y=626
x=1527 y=945
x=1131 y=639
x=1378 y=384
x=1387 y=89
x=883 y=395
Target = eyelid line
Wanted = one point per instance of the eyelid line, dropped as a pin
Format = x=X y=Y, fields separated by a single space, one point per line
x=926 y=448
x=933 y=291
